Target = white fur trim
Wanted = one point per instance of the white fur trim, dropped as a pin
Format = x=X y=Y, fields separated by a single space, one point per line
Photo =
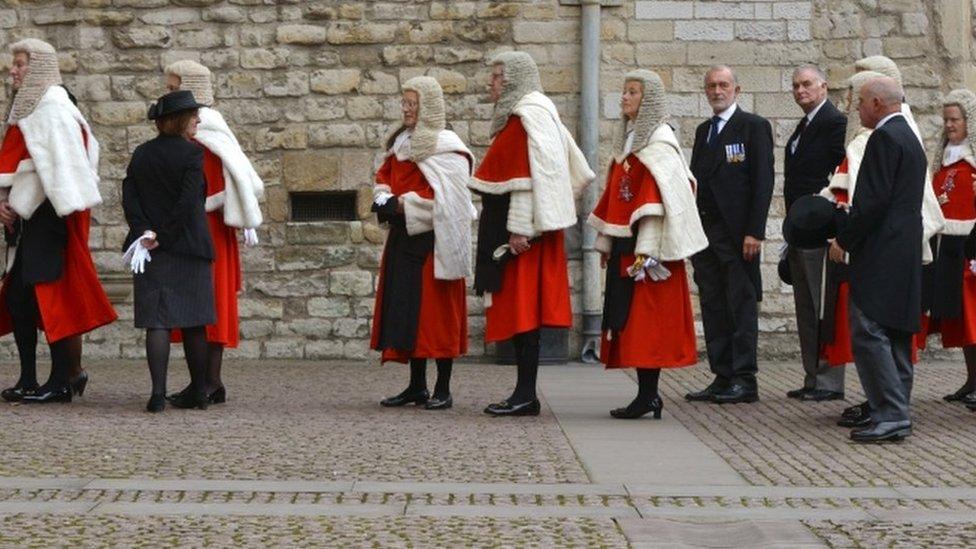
x=503 y=187
x=380 y=188
x=958 y=227
x=68 y=171
x=448 y=171
x=242 y=185
x=215 y=201
x=23 y=189
x=650 y=231
x=419 y=213
x=682 y=234
x=521 y=213
x=558 y=168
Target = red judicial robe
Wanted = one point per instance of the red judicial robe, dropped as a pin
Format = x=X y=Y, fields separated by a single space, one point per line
x=660 y=327
x=76 y=302
x=955 y=182
x=442 y=327
x=226 y=265
x=535 y=285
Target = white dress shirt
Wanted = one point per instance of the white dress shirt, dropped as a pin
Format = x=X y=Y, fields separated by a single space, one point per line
x=810 y=116
x=724 y=116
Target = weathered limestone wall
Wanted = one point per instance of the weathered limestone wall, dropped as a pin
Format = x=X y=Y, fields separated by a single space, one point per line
x=311 y=88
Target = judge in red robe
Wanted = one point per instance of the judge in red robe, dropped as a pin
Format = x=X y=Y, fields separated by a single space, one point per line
x=234 y=190
x=421 y=192
x=49 y=182
x=949 y=282
x=528 y=179
x=647 y=226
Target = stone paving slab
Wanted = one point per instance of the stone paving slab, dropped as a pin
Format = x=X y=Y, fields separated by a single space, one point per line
x=485 y=488
x=844 y=535
x=625 y=451
x=203 y=485
x=660 y=533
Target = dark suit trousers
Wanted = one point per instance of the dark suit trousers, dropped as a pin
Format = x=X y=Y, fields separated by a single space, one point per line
x=729 y=308
x=806 y=266
x=883 y=357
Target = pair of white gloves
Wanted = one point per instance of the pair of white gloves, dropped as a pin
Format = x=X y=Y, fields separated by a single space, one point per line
x=648 y=267
x=138 y=255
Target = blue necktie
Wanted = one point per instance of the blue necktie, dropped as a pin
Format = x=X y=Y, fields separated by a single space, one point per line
x=713 y=132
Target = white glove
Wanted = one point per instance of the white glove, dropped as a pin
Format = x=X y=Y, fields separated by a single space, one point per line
x=250 y=237
x=972 y=265
x=138 y=255
x=652 y=269
x=381 y=198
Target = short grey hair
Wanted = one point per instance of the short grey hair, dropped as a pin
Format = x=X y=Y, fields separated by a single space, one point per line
x=812 y=68
x=885 y=88
x=717 y=68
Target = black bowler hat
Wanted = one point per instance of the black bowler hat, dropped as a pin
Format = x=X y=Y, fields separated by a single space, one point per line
x=811 y=221
x=172 y=103
x=783 y=269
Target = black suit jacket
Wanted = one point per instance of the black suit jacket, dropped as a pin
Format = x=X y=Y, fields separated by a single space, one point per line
x=741 y=190
x=164 y=191
x=819 y=152
x=884 y=231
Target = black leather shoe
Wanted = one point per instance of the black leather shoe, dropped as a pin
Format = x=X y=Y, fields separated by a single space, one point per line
x=79 y=383
x=636 y=410
x=436 y=403
x=189 y=400
x=218 y=397
x=855 y=422
x=157 y=403
x=970 y=399
x=959 y=395
x=736 y=394
x=797 y=393
x=406 y=397
x=883 y=431
x=705 y=395
x=820 y=395
x=971 y=406
x=503 y=408
x=45 y=394
x=858 y=410
x=17 y=394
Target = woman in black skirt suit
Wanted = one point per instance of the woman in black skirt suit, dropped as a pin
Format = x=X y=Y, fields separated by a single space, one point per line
x=163 y=196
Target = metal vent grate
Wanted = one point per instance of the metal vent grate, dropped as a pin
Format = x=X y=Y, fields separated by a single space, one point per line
x=323 y=206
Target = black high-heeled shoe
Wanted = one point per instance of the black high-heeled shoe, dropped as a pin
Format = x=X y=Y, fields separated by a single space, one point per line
x=17 y=393
x=406 y=397
x=45 y=394
x=188 y=400
x=79 y=383
x=637 y=409
x=157 y=403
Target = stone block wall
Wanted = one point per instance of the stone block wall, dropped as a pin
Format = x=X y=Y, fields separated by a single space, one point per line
x=312 y=87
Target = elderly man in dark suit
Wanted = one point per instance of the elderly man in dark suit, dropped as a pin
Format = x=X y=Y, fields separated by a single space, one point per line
x=812 y=153
x=733 y=162
x=884 y=239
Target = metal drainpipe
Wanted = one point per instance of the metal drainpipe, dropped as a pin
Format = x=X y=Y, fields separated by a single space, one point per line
x=589 y=137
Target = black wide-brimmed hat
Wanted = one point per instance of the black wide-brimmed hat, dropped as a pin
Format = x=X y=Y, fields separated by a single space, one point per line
x=172 y=103
x=811 y=221
x=783 y=270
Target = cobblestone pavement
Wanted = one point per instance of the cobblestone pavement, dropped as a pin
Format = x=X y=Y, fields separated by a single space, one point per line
x=302 y=455
x=781 y=441
x=285 y=421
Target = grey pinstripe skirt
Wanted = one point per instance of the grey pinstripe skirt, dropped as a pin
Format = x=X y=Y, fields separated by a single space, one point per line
x=176 y=291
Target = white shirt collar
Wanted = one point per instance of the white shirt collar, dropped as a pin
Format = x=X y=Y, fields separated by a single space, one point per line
x=629 y=144
x=727 y=113
x=815 y=110
x=955 y=153
x=887 y=118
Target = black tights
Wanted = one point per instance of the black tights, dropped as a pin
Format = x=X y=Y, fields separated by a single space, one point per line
x=647 y=381
x=418 y=376
x=25 y=336
x=215 y=359
x=195 y=349
x=527 y=366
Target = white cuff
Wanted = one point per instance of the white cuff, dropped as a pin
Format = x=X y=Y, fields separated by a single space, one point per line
x=649 y=235
x=603 y=243
x=419 y=213
x=521 y=214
